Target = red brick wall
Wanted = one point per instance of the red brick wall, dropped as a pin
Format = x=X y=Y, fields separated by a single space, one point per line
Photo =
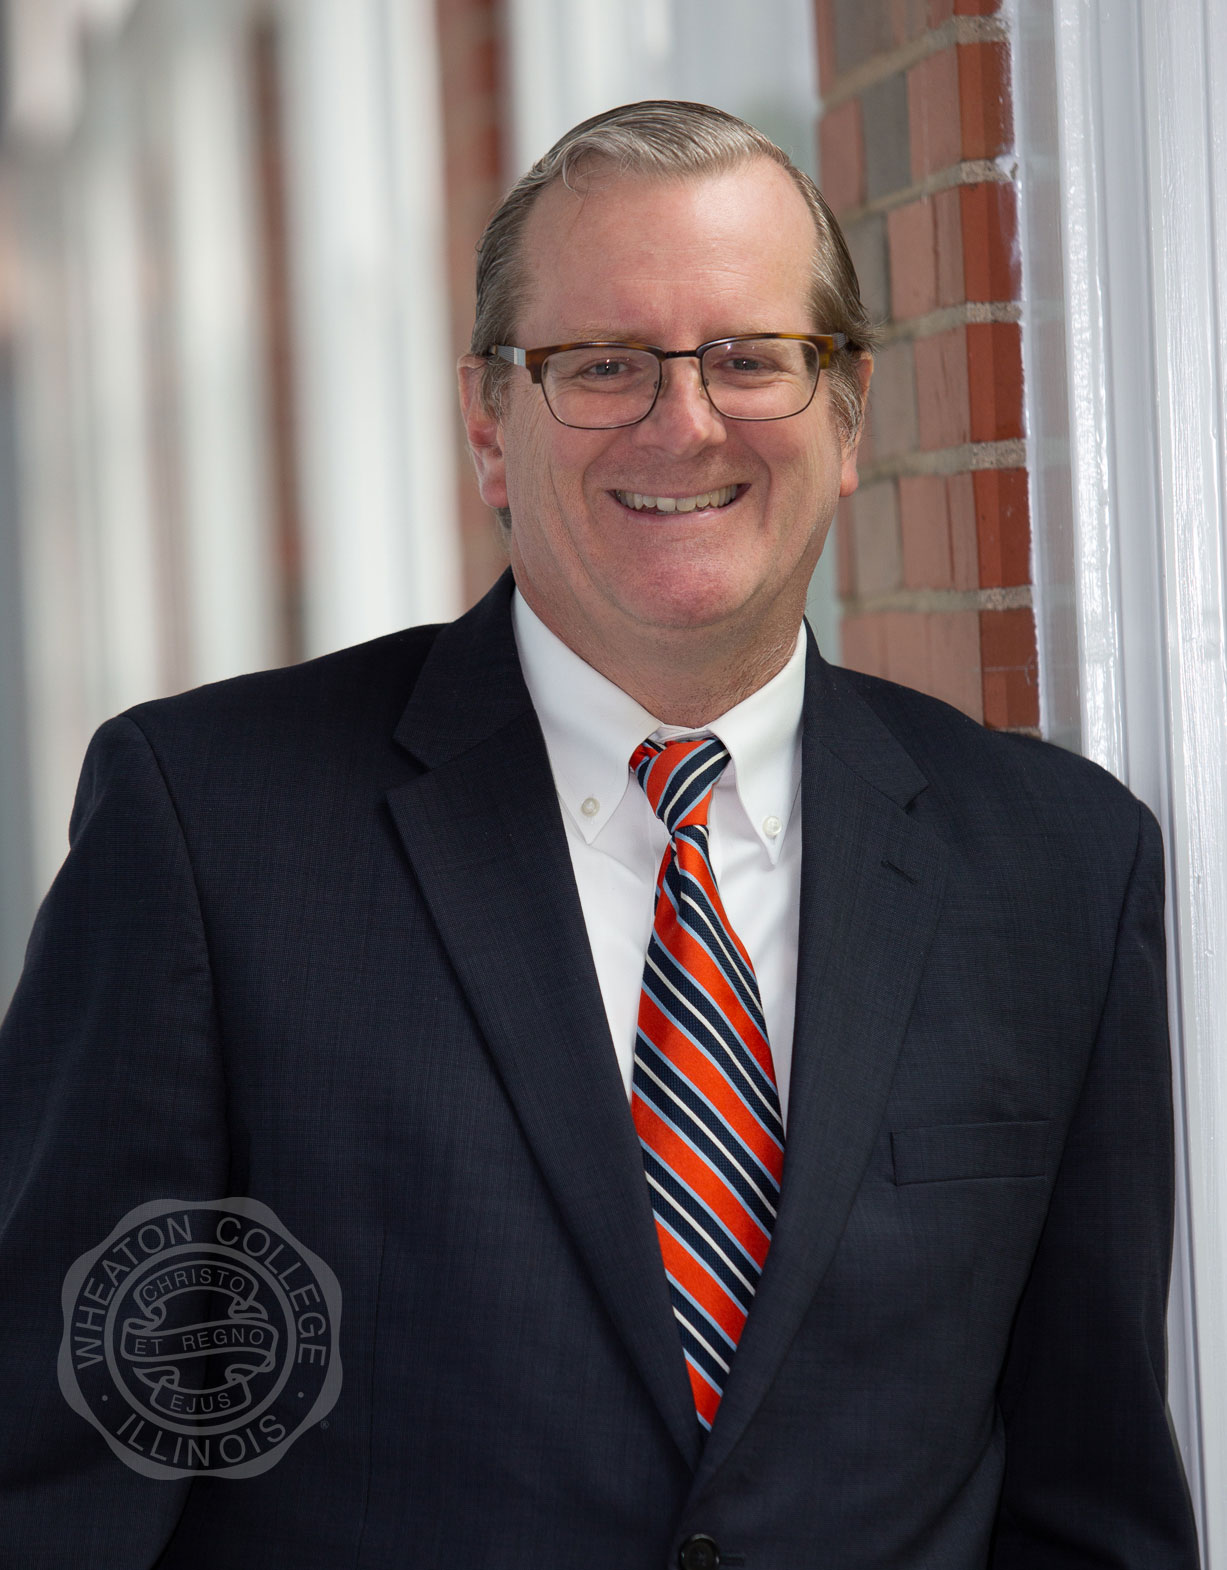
x=471 y=58
x=934 y=549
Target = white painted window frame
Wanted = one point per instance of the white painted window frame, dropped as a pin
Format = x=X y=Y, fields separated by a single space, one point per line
x=1131 y=577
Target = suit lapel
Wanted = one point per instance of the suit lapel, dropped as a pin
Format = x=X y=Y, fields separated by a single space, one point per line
x=483 y=831
x=871 y=885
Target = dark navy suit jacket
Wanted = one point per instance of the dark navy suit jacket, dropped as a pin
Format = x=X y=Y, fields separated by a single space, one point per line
x=318 y=942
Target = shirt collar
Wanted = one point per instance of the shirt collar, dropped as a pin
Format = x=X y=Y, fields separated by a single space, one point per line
x=591 y=727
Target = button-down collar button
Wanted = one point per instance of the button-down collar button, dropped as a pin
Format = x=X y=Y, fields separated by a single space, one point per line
x=699 y=1552
x=772 y=826
x=590 y=806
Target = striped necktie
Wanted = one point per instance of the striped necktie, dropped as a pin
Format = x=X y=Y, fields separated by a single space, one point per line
x=704 y=1097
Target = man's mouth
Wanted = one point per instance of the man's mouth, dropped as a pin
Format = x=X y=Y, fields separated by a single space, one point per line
x=719 y=498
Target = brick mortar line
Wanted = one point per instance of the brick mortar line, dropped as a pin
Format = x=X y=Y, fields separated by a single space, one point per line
x=940 y=602
x=969 y=313
x=956 y=30
x=971 y=171
x=967 y=458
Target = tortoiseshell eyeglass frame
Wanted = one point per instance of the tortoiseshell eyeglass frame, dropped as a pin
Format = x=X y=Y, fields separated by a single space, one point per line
x=533 y=361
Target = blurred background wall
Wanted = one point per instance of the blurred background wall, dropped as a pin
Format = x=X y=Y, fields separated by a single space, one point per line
x=238 y=245
x=236 y=258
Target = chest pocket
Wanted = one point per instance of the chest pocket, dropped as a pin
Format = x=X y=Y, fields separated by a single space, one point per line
x=958 y=1151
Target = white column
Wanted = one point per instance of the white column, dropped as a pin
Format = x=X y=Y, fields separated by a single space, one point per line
x=114 y=504
x=89 y=555
x=204 y=109
x=42 y=72
x=425 y=355
x=375 y=370
x=573 y=58
x=51 y=589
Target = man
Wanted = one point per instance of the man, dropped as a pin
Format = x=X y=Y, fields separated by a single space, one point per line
x=808 y=1206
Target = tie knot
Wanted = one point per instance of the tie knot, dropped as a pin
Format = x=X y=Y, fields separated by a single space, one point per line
x=679 y=777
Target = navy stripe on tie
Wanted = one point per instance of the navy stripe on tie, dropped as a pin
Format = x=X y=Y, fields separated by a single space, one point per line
x=704 y=1113
x=699 y=1018
x=706 y=1343
x=689 y=899
x=701 y=1231
x=703 y=1098
x=760 y=1206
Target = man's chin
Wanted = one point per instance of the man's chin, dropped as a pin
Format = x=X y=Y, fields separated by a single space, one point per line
x=710 y=609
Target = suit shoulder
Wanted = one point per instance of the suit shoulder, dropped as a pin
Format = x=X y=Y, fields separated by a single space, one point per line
x=352 y=689
x=967 y=764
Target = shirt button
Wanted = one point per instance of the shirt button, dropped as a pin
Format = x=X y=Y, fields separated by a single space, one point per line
x=772 y=827
x=699 y=1552
x=590 y=806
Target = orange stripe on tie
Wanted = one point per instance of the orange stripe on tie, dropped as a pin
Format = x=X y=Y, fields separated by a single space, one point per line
x=707 y=1091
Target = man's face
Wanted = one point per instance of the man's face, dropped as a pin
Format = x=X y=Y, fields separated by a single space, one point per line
x=670 y=263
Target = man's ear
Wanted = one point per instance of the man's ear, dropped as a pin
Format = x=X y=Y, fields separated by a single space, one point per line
x=849 y=479
x=484 y=431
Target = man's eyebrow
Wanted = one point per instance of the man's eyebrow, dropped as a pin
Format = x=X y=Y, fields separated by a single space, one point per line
x=623 y=335
x=605 y=335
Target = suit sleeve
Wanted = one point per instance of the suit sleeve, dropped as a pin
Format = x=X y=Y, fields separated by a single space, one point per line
x=1092 y=1475
x=113 y=1097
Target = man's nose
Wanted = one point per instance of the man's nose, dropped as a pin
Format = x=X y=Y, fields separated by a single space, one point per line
x=683 y=418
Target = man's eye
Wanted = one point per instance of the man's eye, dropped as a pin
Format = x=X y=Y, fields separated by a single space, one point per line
x=604 y=370
x=748 y=365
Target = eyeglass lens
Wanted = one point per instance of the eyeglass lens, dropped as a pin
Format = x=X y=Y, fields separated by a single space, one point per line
x=746 y=379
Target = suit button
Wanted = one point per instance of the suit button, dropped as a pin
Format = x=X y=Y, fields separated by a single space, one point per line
x=699 y=1552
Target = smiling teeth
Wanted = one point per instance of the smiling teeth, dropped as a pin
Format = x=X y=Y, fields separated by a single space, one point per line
x=720 y=498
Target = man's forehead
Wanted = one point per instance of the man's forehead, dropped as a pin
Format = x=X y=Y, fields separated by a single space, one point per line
x=699 y=216
x=563 y=202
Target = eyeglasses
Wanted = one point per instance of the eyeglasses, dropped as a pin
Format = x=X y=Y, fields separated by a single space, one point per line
x=601 y=386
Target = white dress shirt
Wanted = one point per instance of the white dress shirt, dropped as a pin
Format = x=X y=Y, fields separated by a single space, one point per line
x=591 y=728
